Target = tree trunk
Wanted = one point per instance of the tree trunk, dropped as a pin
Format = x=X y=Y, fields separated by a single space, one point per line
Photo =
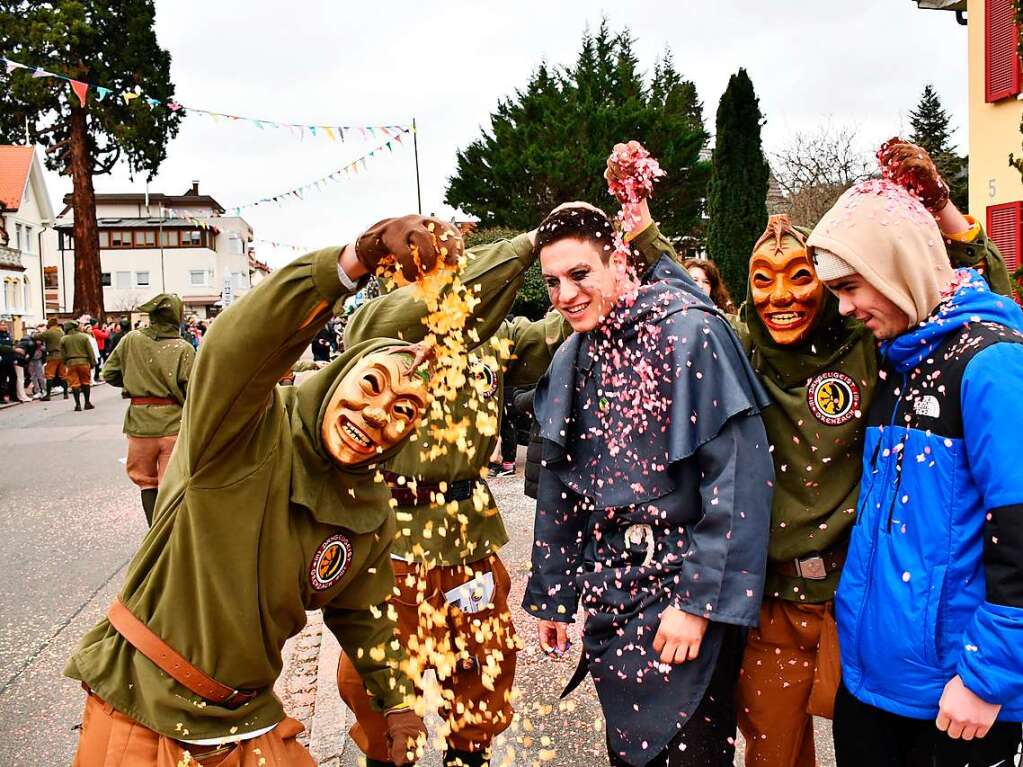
x=88 y=273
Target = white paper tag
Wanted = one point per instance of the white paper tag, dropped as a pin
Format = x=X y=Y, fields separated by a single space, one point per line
x=474 y=595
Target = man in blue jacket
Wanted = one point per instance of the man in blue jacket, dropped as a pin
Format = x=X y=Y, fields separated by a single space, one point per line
x=930 y=604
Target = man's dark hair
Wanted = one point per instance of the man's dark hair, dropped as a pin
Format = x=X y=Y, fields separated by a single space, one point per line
x=582 y=224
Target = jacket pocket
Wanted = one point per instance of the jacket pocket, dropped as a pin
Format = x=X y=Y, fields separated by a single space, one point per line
x=935 y=596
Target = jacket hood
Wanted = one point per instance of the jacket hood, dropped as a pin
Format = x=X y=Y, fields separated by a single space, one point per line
x=890 y=239
x=165 y=311
x=967 y=299
x=350 y=496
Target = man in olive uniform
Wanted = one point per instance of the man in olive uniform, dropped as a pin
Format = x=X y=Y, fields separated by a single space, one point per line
x=270 y=507
x=446 y=555
x=54 y=369
x=76 y=349
x=820 y=370
x=152 y=366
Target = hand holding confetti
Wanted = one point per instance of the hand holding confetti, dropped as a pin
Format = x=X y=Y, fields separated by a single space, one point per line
x=631 y=174
x=909 y=166
x=412 y=244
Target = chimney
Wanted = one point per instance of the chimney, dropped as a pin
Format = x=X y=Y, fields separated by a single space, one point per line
x=195 y=187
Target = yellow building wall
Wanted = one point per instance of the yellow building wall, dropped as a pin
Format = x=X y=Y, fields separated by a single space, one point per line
x=994 y=131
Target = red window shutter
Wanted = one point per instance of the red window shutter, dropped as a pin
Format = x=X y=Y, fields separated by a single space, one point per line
x=1005 y=228
x=1001 y=55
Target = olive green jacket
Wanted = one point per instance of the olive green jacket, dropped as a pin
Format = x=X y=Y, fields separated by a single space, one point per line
x=76 y=349
x=51 y=337
x=512 y=352
x=148 y=366
x=252 y=528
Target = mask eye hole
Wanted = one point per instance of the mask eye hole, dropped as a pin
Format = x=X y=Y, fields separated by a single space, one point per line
x=802 y=277
x=761 y=280
x=405 y=410
x=372 y=384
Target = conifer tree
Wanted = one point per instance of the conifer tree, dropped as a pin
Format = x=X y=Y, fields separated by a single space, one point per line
x=112 y=44
x=737 y=195
x=548 y=143
x=932 y=130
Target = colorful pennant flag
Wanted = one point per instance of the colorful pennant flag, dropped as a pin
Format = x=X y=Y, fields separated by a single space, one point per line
x=331 y=132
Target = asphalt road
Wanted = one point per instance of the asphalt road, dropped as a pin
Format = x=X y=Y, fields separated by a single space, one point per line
x=69 y=522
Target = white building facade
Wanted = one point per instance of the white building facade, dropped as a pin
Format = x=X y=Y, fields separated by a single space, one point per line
x=157 y=243
x=25 y=214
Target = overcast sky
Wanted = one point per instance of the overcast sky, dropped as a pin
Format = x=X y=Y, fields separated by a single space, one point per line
x=324 y=62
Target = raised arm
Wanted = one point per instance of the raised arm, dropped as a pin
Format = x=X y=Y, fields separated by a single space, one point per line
x=493 y=273
x=257 y=339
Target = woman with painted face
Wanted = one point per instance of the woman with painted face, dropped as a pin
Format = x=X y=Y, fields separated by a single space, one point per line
x=820 y=370
x=269 y=508
x=647 y=413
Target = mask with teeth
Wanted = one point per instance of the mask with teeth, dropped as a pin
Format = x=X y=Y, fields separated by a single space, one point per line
x=784 y=287
x=378 y=403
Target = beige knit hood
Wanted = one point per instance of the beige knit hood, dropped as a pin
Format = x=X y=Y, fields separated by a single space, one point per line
x=889 y=238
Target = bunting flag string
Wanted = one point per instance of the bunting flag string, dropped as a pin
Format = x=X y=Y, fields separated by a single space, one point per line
x=330 y=132
x=320 y=183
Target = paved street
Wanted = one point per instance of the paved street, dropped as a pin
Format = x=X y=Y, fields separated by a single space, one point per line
x=71 y=520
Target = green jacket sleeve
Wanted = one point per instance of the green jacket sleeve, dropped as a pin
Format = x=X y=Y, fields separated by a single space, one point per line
x=494 y=273
x=533 y=346
x=112 y=372
x=983 y=255
x=250 y=346
x=651 y=245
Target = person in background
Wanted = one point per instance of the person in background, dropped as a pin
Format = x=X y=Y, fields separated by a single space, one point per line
x=36 y=364
x=8 y=386
x=502 y=461
x=152 y=366
x=54 y=369
x=706 y=275
x=101 y=335
x=78 y=351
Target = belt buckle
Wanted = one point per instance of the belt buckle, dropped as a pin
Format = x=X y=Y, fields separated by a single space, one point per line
x=641 y=534
x=812 y=568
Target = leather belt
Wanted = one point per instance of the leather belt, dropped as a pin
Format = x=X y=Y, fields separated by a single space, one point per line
x=814 y=567
x=143 y=639
x=153 y=401
x=425 y=492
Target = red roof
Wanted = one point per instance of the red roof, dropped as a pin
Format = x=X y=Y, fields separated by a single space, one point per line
x=15 y=164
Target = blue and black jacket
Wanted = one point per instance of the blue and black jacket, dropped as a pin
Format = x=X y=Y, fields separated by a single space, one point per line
x=933 y=583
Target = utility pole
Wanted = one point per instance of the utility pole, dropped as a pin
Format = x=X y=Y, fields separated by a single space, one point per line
x=415 y=151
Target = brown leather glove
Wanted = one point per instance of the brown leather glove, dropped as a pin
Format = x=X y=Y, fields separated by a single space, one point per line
x=415 y=242
x=405 y=733
x=909 y=166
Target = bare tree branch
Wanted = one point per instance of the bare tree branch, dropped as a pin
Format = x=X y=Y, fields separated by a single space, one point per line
x=816 y=167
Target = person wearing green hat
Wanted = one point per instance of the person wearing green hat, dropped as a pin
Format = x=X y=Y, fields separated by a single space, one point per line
x=54 y=370
x=152 y=365
x=271 y=506
x=79 y=359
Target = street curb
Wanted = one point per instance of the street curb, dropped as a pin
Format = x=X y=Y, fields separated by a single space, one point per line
x=330 y=714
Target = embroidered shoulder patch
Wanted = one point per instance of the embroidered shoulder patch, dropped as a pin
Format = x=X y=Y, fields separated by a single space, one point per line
x=481 y=371
x=330 y=562
x=833 y=398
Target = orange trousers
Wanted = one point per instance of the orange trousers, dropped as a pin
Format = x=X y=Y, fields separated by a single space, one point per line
x=148 y=458
x=472 y=653
x=790 y=673
x=111 y=739
x=78 y=376
x=55 y=369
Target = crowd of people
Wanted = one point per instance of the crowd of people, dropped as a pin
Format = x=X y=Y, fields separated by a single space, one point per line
x=802 y=506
